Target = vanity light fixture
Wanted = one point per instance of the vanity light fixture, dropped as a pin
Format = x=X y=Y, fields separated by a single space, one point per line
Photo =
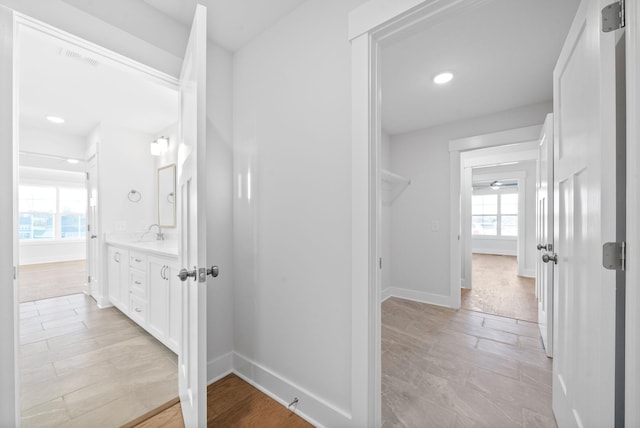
x=443 y=78
x=55 y=119
x=159 y=145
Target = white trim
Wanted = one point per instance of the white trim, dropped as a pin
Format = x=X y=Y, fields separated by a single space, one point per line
x=284 y=391
x=632 y=369
x=528 y=273
x=9 y=313
x=493 y=251
x=386 y=293
x=422 y=297
x=219 y=367
x=494 y=139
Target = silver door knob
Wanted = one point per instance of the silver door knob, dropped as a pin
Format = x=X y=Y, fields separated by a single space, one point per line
x=541 y=247
x=213 y=271
x=553 y=257
x=94 y=236
x=184 y=274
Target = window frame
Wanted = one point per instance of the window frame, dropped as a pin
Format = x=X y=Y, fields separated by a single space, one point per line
x=498 y=192
x=57 y=214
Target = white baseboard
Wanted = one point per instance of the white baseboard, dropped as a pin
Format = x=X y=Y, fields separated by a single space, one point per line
x=385 y=294
x=421 y=296
x=310 y=407
x=219 y=367
x=496 y=252
x=529 y=273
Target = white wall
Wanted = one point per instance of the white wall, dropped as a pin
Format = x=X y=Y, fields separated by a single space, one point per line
x=125 y=164
x=421 y=218
x=292 y=135
x=220 y=209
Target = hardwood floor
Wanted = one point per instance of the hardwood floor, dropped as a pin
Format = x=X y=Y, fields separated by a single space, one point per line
x=497 y=289
x=87 y=367
x=448 y=368
x=231 y=402
x=46 y=280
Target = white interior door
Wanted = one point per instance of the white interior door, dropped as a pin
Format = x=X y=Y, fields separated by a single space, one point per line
x=192 y=351
x=585 y=217
x=544 y=234
x=9 y=381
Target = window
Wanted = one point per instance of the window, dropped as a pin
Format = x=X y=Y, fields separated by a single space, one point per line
x=48 y=212
x=494 y=214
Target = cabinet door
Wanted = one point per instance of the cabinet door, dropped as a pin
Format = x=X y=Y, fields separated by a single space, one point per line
x=158 y=298
x=123 y=276
x=113 y=275
x=117 y=261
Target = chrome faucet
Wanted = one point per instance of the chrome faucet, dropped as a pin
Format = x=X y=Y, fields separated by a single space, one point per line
x=159 y=235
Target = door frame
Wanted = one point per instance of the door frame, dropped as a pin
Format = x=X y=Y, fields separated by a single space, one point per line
x=20 y=21
x=368 y=26
x=521 y=149
x=632 y=325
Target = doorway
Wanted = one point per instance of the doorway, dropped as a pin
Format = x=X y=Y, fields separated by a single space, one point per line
x=85 y=362
x=500 y=270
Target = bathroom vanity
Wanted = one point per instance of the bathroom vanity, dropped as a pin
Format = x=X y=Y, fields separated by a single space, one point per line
x=143 y=284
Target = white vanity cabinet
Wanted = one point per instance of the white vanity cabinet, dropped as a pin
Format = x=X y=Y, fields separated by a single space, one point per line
x=145 y=287
x=164 y=300
x=117 y=273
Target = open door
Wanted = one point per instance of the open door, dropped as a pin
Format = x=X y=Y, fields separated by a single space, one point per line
x=544 y=234
x=192 y=351
x=9 y=333
x=584 y=82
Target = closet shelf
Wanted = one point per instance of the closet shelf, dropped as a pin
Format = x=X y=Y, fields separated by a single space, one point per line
x=392 y=185
x=394 y=179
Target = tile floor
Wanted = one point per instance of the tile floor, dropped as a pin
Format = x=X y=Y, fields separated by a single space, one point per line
x=448 y=368
x=87 y=367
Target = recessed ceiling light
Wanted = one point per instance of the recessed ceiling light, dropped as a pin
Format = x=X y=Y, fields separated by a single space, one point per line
x=443 y=78
x=73 y=161
x=55 y=119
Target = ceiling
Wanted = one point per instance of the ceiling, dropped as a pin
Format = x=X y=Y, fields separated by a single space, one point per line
x=501 y=52
x=231 y=23
x=84 y=91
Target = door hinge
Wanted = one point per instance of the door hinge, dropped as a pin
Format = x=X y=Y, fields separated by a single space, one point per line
x=87 y=176
x=380 y=262
x=614 y=255
x=15 y=273
x=89 y=279
x=613 y=16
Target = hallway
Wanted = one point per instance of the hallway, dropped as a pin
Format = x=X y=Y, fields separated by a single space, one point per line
x=448 y=368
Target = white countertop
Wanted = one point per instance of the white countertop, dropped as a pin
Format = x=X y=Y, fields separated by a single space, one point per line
x=163 y=248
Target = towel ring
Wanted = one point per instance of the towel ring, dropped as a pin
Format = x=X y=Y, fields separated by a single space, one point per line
x=134 y=196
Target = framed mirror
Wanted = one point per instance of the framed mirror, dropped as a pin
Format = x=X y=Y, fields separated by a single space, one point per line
x=167 y=196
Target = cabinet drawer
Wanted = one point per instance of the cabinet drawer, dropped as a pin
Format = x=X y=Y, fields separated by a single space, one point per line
x=138 y=261
x=138 y=310
x=138 y=284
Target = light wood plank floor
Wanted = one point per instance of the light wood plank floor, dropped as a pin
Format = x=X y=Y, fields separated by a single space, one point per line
x=497 y=289
x=448 y=368
x=46 y=280
x=231 y=402
x=87 y=367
